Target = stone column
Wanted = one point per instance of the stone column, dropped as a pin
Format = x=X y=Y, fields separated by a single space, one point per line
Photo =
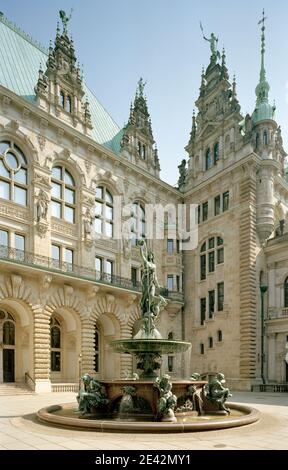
x=271 y=357
x=42 y=351
x=126 y=359
x=87 y=345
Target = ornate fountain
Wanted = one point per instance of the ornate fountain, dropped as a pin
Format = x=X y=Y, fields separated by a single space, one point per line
x=150 y=403
x=148 y=345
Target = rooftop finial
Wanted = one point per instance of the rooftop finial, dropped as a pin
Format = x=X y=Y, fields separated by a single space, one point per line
x=65 y=19
x=141 y=86
x=262 y=42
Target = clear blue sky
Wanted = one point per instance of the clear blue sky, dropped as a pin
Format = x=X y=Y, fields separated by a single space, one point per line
x=119 y=41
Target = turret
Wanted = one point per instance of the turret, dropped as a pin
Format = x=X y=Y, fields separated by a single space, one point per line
x=137 y=144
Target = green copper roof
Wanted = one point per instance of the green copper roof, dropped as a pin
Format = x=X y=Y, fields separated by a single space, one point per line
x=20 y=58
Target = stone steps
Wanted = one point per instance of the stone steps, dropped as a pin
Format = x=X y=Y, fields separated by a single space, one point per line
x=11 y=389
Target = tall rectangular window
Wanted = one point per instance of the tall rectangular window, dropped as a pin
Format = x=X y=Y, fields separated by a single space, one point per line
x=170 y=363
x=217 y=205
x=109 y=268
x=219 y=335
x=134 y=276
x=202 y=310
x=210 y=342
x=198 y=213
x=55 y=253
x=202 y=349
x=220 y=255
x=211 y=257
x=98 y=267
x=170 y=282
x=4 y=241
x=178 y=246
x=170 y=246
x=205 y=211
x=225 y=201
x=211 y=303
x=69 y=259
x=178 y=283
x=19 y=242
x=3 y=238
x=220 y=296
x=202 y=267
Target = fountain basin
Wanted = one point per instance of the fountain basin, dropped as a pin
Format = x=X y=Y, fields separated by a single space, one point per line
x=154 y=346
x=64 y=415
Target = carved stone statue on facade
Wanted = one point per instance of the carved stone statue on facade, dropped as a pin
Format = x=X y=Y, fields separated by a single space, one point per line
x=167 y=401
x=88 y=222
x=149 y=278
x=182 y=173
x=91 y=396
x=42 y=206
x=126 y=239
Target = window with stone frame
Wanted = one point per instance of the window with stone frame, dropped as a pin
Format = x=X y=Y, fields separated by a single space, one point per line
x=286 y=293
x=225 y=204
x=216 y=153
x=104 y=212
x=204 y=211
x=211 y=253
x=217 y=205
x=138 y=223
x=208 y=159
x=202 y=310
x=220 y=296
x=13 y=173
x=63 y=194
x=211 y=297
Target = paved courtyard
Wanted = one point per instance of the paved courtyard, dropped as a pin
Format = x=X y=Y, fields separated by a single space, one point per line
x=19 y=429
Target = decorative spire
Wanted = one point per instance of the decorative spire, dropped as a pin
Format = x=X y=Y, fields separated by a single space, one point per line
x=202 y=86
x=263 y=109
x=140 y=87
x=193 y=130
x=234 y=92
x=224 y=70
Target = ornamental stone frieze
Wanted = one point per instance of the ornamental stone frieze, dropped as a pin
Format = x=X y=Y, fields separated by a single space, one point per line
x=41 y=141
x=9 y=210
x=64 y=228
x=42 y=228
x=41 y=179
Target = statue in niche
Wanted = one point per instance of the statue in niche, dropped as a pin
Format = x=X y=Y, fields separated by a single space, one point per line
x=42 y=206
x=88 y=222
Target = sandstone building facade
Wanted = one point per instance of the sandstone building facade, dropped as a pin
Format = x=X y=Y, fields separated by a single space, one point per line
x=75 y=192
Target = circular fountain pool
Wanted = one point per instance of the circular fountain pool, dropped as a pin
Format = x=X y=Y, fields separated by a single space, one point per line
x=66 y=415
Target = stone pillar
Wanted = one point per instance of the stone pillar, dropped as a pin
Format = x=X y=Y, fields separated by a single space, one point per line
x=126 y=360
x=87 y=345
x=271 y=357
x=42 y=351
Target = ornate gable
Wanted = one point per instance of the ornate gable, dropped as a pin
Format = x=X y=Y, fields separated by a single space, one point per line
x=60 y=89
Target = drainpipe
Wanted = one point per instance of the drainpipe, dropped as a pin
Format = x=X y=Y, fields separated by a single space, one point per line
x=263 y=289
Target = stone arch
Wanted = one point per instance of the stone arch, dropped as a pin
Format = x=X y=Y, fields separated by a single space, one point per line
x=12 y=131
x=65 y=297
x=64 y=158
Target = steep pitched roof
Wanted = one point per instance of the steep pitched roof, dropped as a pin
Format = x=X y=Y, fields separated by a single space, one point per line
x=20 y=57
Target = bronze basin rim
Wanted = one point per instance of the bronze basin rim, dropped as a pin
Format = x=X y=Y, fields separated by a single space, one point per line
x=46 y=415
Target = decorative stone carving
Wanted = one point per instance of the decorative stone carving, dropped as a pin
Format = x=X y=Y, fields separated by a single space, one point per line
x=41 y=179
x=42 y=228
x=42 y=206
x=46 y=281
x=41 y=141
x=88 y=223
x=215 y=393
